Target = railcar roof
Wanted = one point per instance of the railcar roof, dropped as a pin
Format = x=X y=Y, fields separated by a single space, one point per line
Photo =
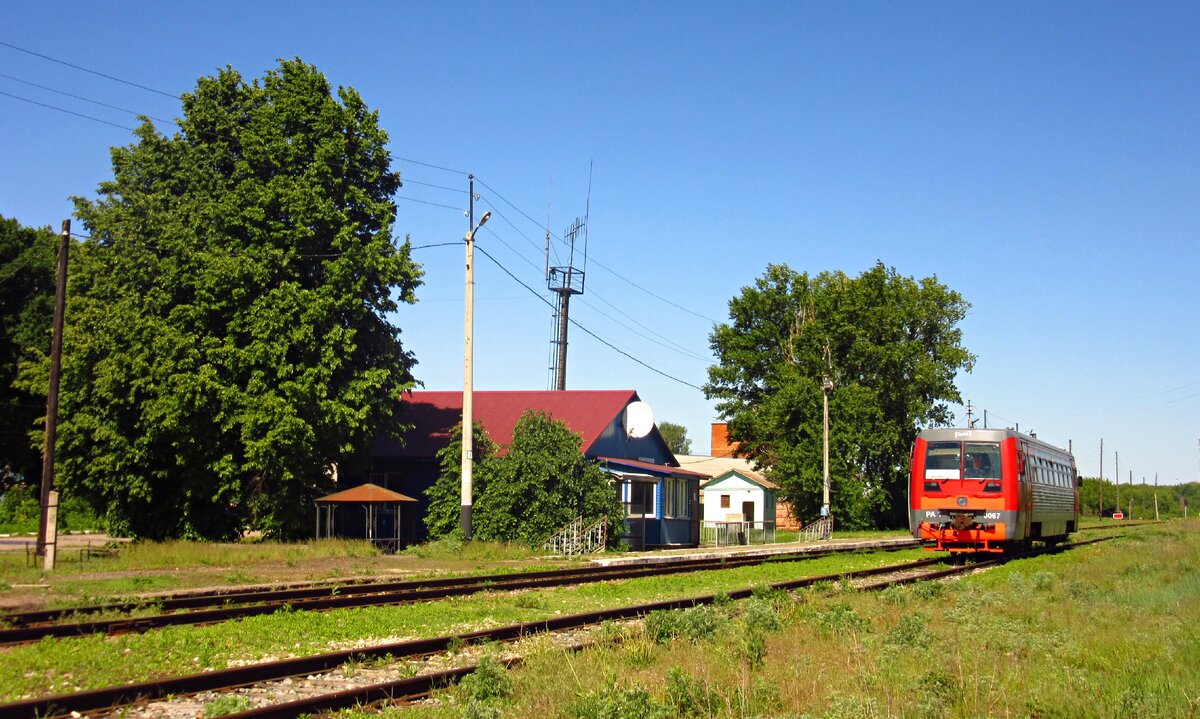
x=974 y=434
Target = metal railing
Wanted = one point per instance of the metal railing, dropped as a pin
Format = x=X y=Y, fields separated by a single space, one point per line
x=728 y=534
x=579 y=538
x=817 y=530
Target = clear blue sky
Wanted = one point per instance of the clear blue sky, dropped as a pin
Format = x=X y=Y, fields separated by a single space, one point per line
x=1040 y=158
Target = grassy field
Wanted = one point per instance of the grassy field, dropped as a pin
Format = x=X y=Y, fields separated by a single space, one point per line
x=1108 y=630
x=1105 y=630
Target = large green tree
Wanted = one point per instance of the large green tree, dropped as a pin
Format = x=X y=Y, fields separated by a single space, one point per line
x=27 y=267
x=891 y=347
x=538 y=484
x=229 y=343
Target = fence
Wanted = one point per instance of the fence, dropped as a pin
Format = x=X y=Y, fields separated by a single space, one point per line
x=723 y=534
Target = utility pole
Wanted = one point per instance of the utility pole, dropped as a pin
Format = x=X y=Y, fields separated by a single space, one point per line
x=985 y=419
x=826 y=386
x=1101 y=478
x=468 y=426
x=1131 y=494
x=1117 y=477
x=47 y=533
x=1156 y=518
x=970 y=410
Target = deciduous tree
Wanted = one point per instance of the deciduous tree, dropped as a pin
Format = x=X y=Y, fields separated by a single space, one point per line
x=541 y=482
x=27 y=268
x=892 y=347
x=675 y=435
x=229 y=343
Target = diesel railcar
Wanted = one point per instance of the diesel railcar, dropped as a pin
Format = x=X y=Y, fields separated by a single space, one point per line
x=990 y=490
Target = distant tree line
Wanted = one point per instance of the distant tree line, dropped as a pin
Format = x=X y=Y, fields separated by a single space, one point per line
x=1137 y=501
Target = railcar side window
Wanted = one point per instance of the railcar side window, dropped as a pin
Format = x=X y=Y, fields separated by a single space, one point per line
x=981 y=460
x=943 y=460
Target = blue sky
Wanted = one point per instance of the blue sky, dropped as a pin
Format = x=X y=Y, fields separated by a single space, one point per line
x=1040 y=158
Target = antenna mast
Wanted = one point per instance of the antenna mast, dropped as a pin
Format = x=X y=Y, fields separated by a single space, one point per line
x=565 y=281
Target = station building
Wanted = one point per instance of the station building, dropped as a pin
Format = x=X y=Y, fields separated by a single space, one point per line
x=662 y=500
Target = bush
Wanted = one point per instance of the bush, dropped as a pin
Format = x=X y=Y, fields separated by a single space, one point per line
x=489 y=681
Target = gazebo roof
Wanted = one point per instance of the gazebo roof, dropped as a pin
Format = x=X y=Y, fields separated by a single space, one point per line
x=366 y=494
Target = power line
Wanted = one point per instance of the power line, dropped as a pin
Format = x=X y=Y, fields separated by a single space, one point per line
x=88 y=70
x=436 y=167
x=85 y=99
x=662 y=341
x=594 y=336
x=430 y=184
x=427 y=202
x=69 y=112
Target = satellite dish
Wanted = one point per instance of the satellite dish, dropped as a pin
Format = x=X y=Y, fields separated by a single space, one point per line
x=639 y=420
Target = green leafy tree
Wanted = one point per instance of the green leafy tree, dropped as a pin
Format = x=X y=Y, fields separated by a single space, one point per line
x=892 y=348
x=442 y=519
x=229 y=342
x=540 y=483
x=675 y=435
x=27 y=268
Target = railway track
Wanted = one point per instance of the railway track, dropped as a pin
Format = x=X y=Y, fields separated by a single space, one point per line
x=219 y=606
x=121 y=698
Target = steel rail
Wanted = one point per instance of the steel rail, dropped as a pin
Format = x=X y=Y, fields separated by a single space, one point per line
x=109 y=698
x=364 y=595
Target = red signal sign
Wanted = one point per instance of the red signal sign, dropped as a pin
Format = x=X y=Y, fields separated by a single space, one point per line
x=1118 y=515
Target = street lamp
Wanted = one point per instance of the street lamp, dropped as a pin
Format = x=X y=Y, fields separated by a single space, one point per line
x=826 y=387
x=468 y=426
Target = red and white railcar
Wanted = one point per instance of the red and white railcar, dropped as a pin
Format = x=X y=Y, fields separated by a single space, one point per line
x=988 y=490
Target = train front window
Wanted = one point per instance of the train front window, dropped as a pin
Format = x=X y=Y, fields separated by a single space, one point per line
x=981 y=460
x=943 y=460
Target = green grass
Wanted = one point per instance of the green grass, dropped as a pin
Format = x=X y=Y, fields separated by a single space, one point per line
x=1107 y=630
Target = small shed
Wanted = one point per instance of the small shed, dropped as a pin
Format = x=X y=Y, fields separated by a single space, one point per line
x=744 y=494
x=367 y=511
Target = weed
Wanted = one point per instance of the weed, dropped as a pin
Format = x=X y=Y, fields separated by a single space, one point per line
x=912 y=630
x=761 y=614
x=662 y=625
x=488 y=682
x=529 y=600
x=227 y=704
x=615 y=702
x=840 y=617
x=479 y=710
x=687 y=697
x=700 y=624
x=752 y=646
x=456 y=645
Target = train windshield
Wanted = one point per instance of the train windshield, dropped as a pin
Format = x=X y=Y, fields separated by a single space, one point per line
x=962 y=460
x=981 y=460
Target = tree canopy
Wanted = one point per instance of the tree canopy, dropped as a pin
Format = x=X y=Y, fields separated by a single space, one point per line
x=228 y=344
x=675 y=435
x=535 y=487
x=891 y=347
x=27 y=268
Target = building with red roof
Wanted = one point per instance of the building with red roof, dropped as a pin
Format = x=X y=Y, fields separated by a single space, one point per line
x=661 y=499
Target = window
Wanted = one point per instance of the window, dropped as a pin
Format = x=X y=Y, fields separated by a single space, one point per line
x=943 y=460
x=981 y=460
x=724 y=501
x=675 y=498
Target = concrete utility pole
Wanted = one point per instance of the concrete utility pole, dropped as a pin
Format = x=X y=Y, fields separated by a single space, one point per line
x=47 y=533
x=1117 y=477
x=468 y=426
x=826 y=387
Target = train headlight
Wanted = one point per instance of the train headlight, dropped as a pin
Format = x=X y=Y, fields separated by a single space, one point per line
x=962 y=501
